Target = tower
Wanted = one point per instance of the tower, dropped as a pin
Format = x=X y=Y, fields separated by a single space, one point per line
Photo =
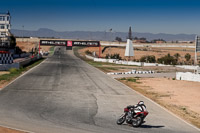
x=129 y=46
x=130 y=34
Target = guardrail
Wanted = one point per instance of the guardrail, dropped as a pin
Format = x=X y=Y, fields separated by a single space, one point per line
x=26 y=61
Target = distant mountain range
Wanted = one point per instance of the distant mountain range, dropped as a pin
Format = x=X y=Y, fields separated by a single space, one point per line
x=100 y=35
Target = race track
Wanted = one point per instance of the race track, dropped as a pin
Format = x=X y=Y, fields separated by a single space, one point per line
x=65 y=94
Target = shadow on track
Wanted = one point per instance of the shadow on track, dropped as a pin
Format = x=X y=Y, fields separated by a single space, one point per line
x=150 y=126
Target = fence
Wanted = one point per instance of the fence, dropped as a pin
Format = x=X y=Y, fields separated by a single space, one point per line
x=6 y=58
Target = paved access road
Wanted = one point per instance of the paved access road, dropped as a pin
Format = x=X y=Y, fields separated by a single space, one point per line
x=65 y=94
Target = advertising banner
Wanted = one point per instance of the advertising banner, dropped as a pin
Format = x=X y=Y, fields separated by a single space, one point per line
x=86 y=43
x=53 y=43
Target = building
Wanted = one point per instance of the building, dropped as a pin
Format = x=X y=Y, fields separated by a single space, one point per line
x=5 y=24
x=139 y=41
x=5 y=34
x=160 y=41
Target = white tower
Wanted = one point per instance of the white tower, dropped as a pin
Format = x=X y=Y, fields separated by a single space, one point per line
x=129 y=46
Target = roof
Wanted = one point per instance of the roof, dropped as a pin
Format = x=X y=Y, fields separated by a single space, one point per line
x=8 y=13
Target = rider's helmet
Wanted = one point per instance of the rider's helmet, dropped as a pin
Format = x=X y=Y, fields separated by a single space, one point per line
x=140 y=103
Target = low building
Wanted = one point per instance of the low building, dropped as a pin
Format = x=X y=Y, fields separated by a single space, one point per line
x=139 y=41
x=160 y=41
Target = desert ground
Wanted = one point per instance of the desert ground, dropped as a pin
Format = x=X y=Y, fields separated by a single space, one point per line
x=142 y=51
x=28 y=45
x=180 y=97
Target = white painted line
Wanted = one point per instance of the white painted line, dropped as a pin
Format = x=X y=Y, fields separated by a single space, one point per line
x=14 y=81
x=23 y=74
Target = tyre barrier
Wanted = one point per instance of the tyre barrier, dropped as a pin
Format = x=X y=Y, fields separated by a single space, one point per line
x=132 y=72
x=6 y=58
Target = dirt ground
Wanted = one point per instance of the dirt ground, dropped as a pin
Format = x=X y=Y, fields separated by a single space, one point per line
x=4 y=72
x=184 y=93
x=6 y=130
x=180 y=97
x=28 y=45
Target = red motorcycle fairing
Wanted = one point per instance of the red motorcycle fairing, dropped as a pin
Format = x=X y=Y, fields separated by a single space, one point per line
x=145 y=113
x=126 y=109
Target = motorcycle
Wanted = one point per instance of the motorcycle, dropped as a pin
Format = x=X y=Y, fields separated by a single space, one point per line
x=132 y=116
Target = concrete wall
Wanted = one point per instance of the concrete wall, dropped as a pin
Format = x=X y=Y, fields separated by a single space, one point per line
x=89 y=57
x=187 y=67
x=188 y=76
x=139 y=63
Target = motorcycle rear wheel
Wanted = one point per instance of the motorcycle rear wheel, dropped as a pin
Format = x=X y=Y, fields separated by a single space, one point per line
x=136 y=122
x=121 y=119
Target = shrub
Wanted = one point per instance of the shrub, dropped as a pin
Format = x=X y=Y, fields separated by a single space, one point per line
x=88 y=52
x=187 y=57
x=113 y=56
x=168 y=60
x=148 y=58
x=13 y=70
x=177 y=55
x=132 y=80
x=123 y=79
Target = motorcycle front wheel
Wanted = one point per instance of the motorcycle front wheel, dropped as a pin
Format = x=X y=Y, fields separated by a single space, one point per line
x=121 y=119
x=136 y=122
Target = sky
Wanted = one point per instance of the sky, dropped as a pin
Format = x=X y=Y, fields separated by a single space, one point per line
x=152 y=16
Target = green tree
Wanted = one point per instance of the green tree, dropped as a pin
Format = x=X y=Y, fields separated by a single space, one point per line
x=148 y=58
x=12 y=41
x=177 y=55
x=167 y=59
x=187 y=57
x=118 y=39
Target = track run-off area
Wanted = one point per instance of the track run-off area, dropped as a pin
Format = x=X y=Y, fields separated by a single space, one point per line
x=65 y=94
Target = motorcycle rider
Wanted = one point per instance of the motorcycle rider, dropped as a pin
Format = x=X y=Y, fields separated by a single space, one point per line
x=140 y=107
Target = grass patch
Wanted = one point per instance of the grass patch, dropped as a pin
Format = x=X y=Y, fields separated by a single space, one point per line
x=123 y=79
x=51 y=50
x=103 y=66
x=17 y=72
x=132 y=80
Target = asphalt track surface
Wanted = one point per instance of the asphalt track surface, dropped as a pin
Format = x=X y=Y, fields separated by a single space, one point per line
x=65 y=94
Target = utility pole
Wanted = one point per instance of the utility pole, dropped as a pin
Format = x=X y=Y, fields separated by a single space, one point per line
x=22 y=33
x=110 y=40
x=195 y=54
